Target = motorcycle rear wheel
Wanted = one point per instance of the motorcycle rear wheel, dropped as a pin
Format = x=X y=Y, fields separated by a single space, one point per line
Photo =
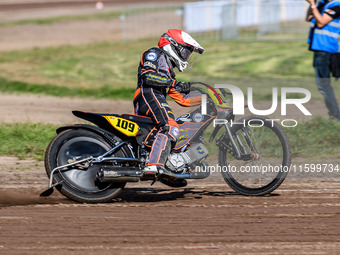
x=80 y=185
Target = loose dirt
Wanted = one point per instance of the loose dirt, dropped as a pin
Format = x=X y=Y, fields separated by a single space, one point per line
x=206 y=217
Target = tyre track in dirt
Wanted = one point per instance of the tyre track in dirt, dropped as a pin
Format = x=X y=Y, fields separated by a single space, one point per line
x=206 y=217
x=194 y=220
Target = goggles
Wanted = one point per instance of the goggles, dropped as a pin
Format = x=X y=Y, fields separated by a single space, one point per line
x=184 y=52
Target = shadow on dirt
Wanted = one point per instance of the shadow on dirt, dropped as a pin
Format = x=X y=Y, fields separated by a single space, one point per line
x=159 y=195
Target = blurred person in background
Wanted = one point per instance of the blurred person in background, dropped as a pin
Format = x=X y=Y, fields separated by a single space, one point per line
x=323 y=41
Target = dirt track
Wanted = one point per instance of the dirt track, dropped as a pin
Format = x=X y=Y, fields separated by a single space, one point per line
x=210 y=220
x=206 y=217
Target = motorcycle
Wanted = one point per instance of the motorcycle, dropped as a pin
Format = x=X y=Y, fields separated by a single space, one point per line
x=92 y=163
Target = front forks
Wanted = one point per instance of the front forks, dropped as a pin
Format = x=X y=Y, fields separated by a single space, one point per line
x=234 y=145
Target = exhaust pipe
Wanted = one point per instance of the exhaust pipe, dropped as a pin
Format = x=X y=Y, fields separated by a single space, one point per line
x=119 y=174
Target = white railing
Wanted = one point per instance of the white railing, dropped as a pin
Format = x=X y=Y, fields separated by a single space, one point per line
x=220 y=20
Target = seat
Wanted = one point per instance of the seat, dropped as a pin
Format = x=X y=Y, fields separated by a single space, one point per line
x=137 y=118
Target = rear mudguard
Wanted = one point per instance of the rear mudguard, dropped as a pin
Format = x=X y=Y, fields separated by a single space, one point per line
x=92 y=128
x=103 y=133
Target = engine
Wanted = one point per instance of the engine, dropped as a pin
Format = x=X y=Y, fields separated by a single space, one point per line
x=190 y=158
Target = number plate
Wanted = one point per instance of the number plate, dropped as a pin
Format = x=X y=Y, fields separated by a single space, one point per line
x=124 y=126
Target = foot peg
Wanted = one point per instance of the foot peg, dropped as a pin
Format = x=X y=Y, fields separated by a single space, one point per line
x=157 y=172
x=149 y=173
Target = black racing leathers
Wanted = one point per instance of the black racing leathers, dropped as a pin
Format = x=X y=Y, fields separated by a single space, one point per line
x=156 y=80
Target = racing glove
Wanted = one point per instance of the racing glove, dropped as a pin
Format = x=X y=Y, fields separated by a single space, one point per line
x=182 y=87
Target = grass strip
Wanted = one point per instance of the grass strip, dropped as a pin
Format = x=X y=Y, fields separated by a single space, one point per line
x=315 y=137
x=27 y=140
x=52 y=90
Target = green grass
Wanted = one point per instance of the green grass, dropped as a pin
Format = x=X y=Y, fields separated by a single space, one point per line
x=256 y=60
x=86 y=66
x=317 y=137
x=25 y=140
x=45 y=89
x=99 y=66
x=314 y=138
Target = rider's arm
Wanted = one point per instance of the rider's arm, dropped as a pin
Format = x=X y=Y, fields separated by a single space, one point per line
x=151 y=74
x=183 y=99
x=153 y=79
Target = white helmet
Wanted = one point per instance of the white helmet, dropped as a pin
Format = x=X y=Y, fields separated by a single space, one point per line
x=179 y=45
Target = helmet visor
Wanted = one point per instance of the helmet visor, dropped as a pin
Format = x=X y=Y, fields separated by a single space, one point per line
x=185 y=52
x=194 y=58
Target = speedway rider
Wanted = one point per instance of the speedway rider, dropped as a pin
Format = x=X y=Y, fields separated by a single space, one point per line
x=156 y=80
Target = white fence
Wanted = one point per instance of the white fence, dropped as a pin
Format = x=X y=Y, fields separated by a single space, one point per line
x=221 y=20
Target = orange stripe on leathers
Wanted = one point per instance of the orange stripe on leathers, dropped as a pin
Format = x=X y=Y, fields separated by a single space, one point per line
x=141 y=58
x=136 y=94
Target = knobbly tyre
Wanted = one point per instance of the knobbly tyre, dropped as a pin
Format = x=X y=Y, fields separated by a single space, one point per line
x=93 y=163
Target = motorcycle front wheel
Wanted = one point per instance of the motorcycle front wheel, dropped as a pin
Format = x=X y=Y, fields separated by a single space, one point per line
x=80 y=184
x=268 y=142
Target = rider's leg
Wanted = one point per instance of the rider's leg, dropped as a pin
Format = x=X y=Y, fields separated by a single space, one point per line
x=162 y=145
x=152 y=103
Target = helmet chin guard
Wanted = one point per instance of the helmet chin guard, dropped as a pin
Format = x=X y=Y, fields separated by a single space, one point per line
x=179 y=45
x=180 y=64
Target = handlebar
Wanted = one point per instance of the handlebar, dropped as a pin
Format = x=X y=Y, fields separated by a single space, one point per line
x=208 y=87
x=224 y=92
